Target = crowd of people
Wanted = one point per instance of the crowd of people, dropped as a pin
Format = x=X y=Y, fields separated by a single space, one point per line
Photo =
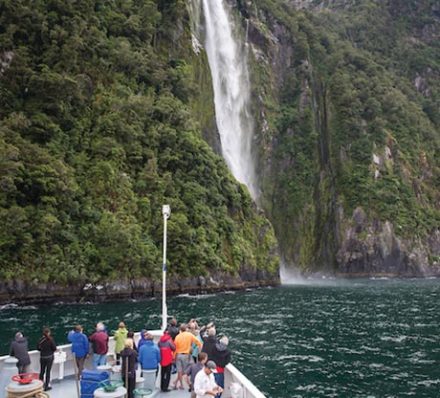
x=196 y=354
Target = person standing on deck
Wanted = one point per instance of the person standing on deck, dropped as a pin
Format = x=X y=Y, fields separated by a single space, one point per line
x=80 y=347
x=209 y=340
x=166 y=347
x=172 y=328
x=130 y=335
x=195 y=368
x=120 y=336
x=221 y=356
x=194 y=329
x=142 y=339
x=149 y=354
x=99 y=341
x=173 y=331
x=128 y=368
x=47 y=347
x=184 y=341
x=19 y=349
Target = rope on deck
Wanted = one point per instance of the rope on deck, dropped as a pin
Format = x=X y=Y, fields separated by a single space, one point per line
x=37 y=392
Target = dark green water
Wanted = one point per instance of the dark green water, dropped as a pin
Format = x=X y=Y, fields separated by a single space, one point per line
x=334 y=339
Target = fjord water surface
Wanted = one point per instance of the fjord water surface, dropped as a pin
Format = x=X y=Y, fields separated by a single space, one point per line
x=328 y=339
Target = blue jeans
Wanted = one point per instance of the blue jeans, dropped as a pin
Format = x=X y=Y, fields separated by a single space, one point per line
x=220 y=381
x=99 y=360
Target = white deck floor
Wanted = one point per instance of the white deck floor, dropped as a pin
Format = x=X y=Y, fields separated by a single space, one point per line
x=67 y=389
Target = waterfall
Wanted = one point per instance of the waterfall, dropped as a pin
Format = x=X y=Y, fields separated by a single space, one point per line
x=227 y=58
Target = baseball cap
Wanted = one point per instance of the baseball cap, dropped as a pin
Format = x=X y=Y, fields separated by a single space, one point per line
x=211 y=366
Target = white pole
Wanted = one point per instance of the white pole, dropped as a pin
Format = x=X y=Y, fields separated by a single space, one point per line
x=166 y=214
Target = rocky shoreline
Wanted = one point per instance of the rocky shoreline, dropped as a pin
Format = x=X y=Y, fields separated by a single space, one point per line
x=24 y=293
x=21 y=293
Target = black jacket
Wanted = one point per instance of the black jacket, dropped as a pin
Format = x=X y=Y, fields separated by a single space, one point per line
x=209 y=343
x=46 y=346
x=221 y=355
x=19 y=350
x=129 y=358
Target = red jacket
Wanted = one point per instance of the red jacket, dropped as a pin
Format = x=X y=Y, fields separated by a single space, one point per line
x=99 y=342
x=166 y=347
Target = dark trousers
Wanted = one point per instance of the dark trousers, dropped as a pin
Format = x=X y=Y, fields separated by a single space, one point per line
x=131 y=385
x=80 y=365
x=45 y=368
x=22 y=368
x=220 y=380
x=165 y=377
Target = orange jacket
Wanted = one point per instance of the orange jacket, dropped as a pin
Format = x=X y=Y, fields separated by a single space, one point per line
x=184 y=341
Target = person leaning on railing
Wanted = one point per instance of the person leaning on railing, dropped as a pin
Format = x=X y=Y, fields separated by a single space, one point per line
x=19 y=349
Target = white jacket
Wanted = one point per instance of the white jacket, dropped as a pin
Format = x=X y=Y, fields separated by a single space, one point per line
x=204 y=383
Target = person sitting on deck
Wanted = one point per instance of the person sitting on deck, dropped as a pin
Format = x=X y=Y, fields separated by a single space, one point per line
x=149 y=354
x=184 y=341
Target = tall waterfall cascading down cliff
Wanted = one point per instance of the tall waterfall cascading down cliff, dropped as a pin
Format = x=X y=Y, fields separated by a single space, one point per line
x=228 y=63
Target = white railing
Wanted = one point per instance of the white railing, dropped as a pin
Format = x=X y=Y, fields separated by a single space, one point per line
x=61 y=367
x=237 y=385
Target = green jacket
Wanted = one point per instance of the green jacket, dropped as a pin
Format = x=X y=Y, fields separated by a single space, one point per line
x=120 y=336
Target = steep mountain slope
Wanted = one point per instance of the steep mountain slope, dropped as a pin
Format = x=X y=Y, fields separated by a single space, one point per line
x=349 y=96
x=99 y=111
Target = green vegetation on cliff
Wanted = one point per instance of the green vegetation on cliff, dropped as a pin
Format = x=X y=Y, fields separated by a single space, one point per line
x=97 y=132
x=351 y=94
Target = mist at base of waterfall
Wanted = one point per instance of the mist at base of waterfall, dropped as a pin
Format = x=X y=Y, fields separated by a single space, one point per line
x=289 y=275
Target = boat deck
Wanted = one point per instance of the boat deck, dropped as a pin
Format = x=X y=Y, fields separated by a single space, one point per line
x=64 y=385
x=67 y=388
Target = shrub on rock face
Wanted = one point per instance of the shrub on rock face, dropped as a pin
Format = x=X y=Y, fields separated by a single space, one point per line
x=97 y=133
x=347 y=123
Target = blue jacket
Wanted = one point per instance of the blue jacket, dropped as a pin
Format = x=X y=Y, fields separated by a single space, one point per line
x=142 y=340
x=80 y=343
x=149 y=355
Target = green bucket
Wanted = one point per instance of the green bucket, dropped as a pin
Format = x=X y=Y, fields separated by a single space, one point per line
x=110 y=386
x=142 y=392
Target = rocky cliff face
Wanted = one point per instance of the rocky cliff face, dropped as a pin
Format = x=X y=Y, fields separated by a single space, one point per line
x=348 y=137
x=36 y=293
x=373 y=248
